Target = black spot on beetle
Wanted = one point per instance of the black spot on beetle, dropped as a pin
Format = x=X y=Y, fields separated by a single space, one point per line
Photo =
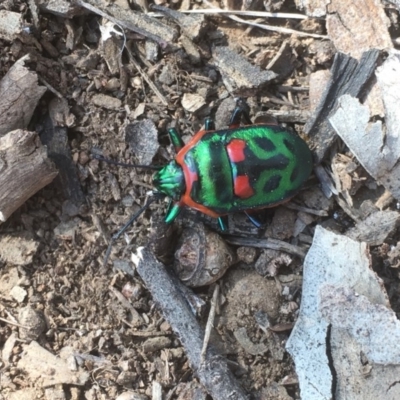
x=265 y=144
x=272 y=183
x=295 y=174
x=290 y=146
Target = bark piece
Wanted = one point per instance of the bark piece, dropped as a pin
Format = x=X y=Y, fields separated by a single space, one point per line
x=192 y=102
x=142 y=137
x=343 y=24
x=318 y=82
x=54 y=136
x=190 y=49
x=136 y=21
x=62 y=8
x=375 y=228
x=38 y=363
x=283 y=62
x=24 y=169
x=111 y=47
x=178 y=314
x=19 y=95
x=371 y=333
x=10 y=25
x=192 y=25
x=239 y=76
x=343 y=301
x=378 y=152
x=348 y=76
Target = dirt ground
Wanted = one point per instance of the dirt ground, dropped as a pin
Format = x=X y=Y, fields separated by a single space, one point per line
x=66 y=299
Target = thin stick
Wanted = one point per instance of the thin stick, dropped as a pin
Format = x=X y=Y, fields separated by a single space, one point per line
x=269 y=27
x=319 y=213
x=147 y=79
x=214 y=373
x=269 y=243
x=51 y=88
x=257 y=14
x=13 y=323
x=210 y=323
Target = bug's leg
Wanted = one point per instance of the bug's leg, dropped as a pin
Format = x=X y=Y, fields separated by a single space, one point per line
x=253 y=220
x=223 y=223
x=174 y=208
x=209 y=124
x=241 y=110
x=176 y=140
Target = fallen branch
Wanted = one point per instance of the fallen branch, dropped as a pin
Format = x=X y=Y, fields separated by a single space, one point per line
x=213 y=373
x=19 y=95
x=24 y=169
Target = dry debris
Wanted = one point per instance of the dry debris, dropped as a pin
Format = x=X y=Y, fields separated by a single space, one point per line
x=40 y=365
x=343 y=22
x=10 y=25
x=336 y=265
x=24 y=169
x=109 y=79
x=19 y=94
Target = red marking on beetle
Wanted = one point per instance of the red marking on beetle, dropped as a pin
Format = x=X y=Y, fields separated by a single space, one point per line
x=191 y=177
x=242 y=187
x=235 y=150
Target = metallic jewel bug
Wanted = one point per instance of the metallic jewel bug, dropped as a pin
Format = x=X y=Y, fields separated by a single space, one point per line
x=241 y=168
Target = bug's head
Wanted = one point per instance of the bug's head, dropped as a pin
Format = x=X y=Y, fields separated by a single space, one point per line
x=170 y=180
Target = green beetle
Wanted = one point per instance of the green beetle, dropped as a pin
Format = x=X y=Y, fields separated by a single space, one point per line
x=229 y=170
x=236 y=169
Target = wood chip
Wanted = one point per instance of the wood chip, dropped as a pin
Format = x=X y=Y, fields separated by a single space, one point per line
x=191 y=25
x=10 y=25
x=133 y=20
x=61 y=8
x=347 y=76
x=192 y=102
x=108 y=102
x=239 y=76
x=54 y=135
x=378 y=155
x=142 y=137
x=375 y=228
x=24 y=168
x=343 y=24
x=19 y=95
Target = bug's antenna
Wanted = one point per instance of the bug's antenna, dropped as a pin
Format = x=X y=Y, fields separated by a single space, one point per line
x=153 y=167
x=152 y=199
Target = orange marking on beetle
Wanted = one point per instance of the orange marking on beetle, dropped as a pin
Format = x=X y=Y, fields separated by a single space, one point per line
x=191 y=177
x=242 y=188
x=235 y=150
